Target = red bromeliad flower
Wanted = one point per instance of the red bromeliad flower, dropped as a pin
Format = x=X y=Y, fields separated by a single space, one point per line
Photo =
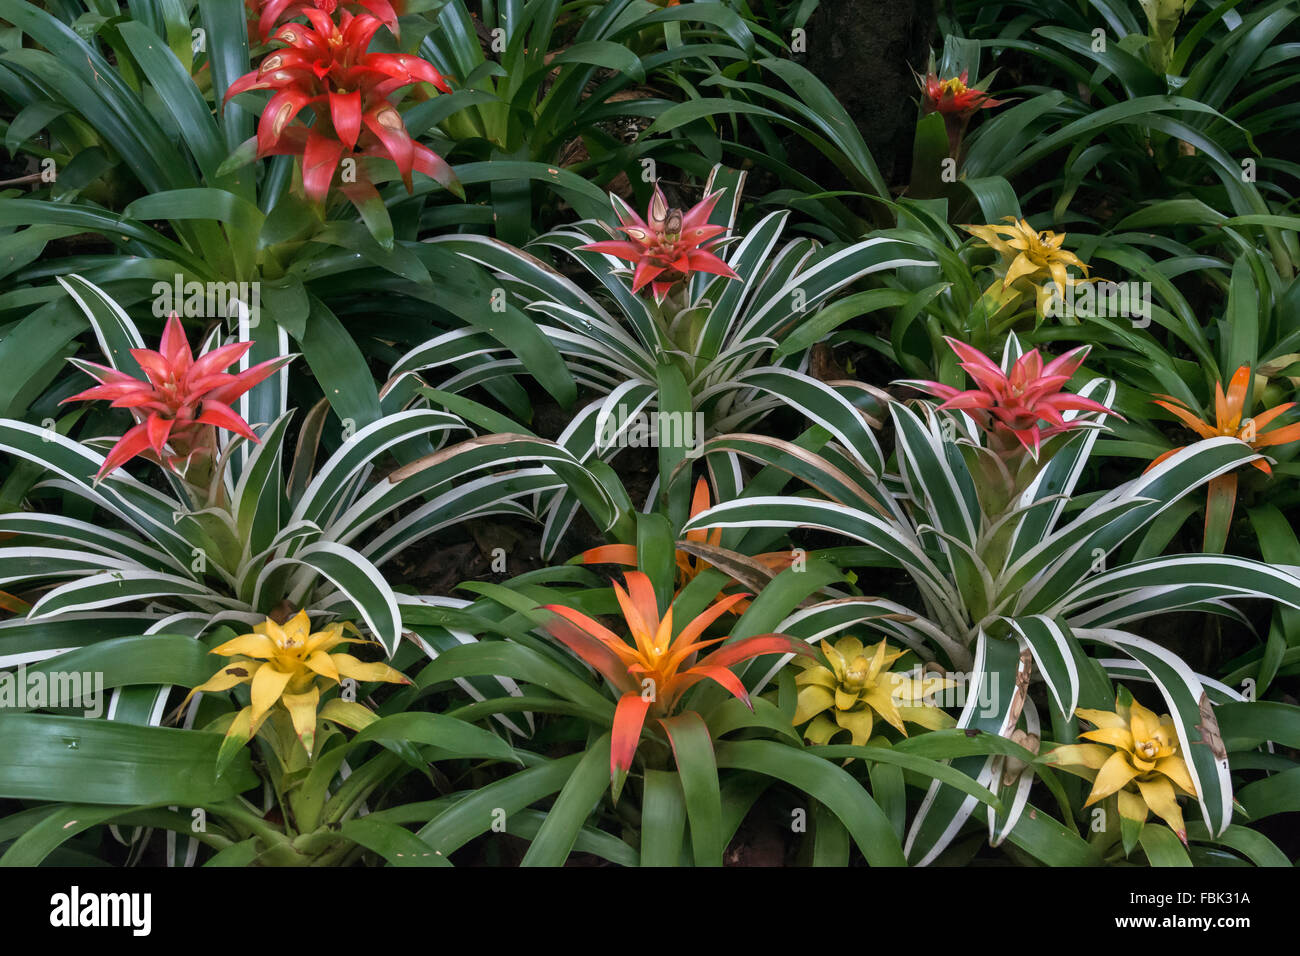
x=655 y=670
x=325 y=66
x=954 y=96
x=182 y=399
x=668 y=245
x=270 y=13
x=956 y=102
x=1012 y=405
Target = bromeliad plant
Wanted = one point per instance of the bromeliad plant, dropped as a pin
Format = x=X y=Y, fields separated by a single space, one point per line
x=690 y=556
x=1125 y=135
x=180 y=406
x=576 y=86
x=316 y=781
x=319 y=781
x=1033 y=265
x=271 y=13
x=658 y=737
x=714 y=346
x=859 y=688
x=1008 y=406
x=137 y=127
x=956 y=102
x=1035 y=286
x=141 y=573
x=250 y=539
x=1008 y=587
x=668 y=245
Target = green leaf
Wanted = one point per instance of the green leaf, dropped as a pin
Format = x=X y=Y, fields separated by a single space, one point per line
x=340 y=368
x=504 y=659
x=897 y=756
x=830 y=839
x=477 y=812
x=130 y=661
x=589 y=780
x=435 y=730
x=1246 y=725
x=693 y=750
x=675 y=404
x=46 y=757
x=930 y=150
x=1162 y=847
x=663 y=819
x=611 y=56
x=1279 y=793
x=180 y=94
x=59 y=826
x=823 y=781
x=835 y=315
x=587 y=200
x=656 y=553
x=1256 y=847
x=398 y=846
x=1047 y=839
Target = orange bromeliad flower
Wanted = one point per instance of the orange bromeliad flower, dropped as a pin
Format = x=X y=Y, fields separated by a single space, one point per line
x=688 y=565
x=325 y=66
x=1229 y=410
x=656 y=668
x=668 y=245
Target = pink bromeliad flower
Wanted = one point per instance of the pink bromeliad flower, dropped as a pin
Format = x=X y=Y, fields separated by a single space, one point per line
x=668 y=245
x=182 y=399
x=1012 y=405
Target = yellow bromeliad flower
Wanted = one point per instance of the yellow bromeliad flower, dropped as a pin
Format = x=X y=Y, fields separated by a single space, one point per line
x=1133 y=754
x=857 y=688
x=1031 y=260
x=285 y=665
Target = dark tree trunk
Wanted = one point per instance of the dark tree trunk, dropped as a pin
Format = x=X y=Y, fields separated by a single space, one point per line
x=865 y=51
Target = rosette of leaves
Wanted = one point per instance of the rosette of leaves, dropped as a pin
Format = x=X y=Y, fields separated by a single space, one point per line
x=286 y=808
x=713 y=348
x=697 y=772
x=149 y=172
x=1013 y=586
x=123 y=557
